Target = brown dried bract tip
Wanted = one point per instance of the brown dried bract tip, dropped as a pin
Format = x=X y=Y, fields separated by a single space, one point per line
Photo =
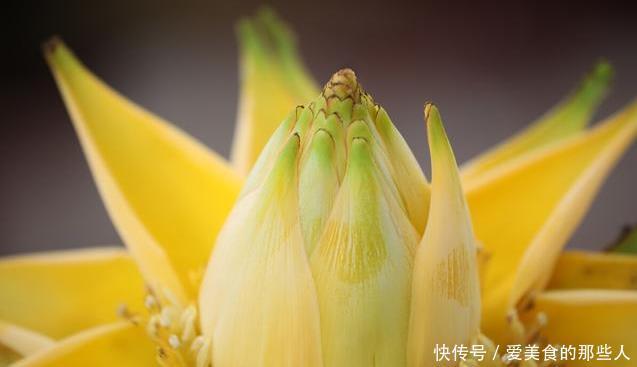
x=427 y=109
x=343 y=84
x=49 y=46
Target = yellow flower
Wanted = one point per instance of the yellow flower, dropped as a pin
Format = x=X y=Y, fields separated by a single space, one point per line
x=322 y=243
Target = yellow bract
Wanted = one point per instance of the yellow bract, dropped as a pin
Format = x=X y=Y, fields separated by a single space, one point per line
x=592 y=317
x=566 y=119
x=524 y=212
x=594 y=270
x=362 y=266
x=273 y=81
x=258 y=302
x=445 y=305
x=162 y=189
x=58 y=294
x=119 y=344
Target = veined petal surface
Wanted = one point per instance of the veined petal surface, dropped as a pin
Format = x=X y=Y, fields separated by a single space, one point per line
x=592 y=317
x=409 y=177
x=166 y=193
x=362 y=266
x=60 y=293
x=525 y=211
x=273 y=81
x=445 y=298
x=258 y=301
x=318 y=186
x=566 y=119
x=120 y=344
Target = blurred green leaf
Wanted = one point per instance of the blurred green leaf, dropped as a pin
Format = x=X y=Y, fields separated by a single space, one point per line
x=627 y=241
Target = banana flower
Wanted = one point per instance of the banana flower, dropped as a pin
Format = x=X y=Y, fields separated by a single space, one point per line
x=322 y=243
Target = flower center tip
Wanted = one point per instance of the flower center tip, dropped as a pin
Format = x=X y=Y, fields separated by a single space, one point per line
x=343 y=85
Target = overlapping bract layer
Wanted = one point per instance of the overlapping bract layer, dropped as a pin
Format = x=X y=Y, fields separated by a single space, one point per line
x=314 y=265
x=349 y=225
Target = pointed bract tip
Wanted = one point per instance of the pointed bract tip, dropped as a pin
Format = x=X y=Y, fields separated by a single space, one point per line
x=58 y=56
x=427 y=109
x=283 y=172
x=266 y=12
x=435 y=129
x=274 y=25
x=432 y=115
x=51 y=45
x=603 y=68
x=267 y=28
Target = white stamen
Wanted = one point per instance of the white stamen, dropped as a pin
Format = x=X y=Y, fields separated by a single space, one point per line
x=516 y=325
x=122 y=311
x=175 y=328
x=189 y=314
x=204 y=357
x=170 y=296
x=174 y=341
x=150 y=301
x=197 y=343
x=542 y=319
x=188 y=319
x=166 y=317
x=153 y=325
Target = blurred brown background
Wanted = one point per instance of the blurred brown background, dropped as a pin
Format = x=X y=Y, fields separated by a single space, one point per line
x=491 y=67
